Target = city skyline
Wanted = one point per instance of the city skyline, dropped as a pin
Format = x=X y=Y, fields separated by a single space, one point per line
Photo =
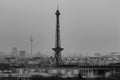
x=86 y=26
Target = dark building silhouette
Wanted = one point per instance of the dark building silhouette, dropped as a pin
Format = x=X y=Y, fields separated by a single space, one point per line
x=57 y=49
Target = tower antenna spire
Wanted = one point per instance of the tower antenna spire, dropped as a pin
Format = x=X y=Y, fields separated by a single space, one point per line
x=57 y=6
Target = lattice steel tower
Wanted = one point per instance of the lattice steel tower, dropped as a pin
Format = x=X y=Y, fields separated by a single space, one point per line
x=57 y=48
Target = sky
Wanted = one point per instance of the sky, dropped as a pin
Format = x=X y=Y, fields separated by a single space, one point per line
x=87 y=26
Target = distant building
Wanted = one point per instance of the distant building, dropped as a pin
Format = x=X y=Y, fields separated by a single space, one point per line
x=2 y=55
x=14 y=52
x=22 y=54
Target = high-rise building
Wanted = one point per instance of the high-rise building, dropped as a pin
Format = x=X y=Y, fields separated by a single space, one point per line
x=22 y=54
x=2 y=55
x=14 y=52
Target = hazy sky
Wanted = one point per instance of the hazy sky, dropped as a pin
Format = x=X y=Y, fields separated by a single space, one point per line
x=87 y=26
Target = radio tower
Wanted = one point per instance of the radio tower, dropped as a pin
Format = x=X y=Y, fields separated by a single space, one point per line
x=57 y=48
x=31 y=40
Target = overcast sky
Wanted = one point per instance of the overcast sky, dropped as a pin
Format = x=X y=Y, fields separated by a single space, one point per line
x=87 y=26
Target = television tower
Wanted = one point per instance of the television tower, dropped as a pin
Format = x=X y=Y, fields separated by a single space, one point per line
x=31 y=41
x=57 y=48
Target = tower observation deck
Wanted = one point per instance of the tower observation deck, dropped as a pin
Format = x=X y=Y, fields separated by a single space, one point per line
x=57 y=49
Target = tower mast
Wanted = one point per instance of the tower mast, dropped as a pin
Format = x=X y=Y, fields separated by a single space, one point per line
x=31 y=40
x=57 y=48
